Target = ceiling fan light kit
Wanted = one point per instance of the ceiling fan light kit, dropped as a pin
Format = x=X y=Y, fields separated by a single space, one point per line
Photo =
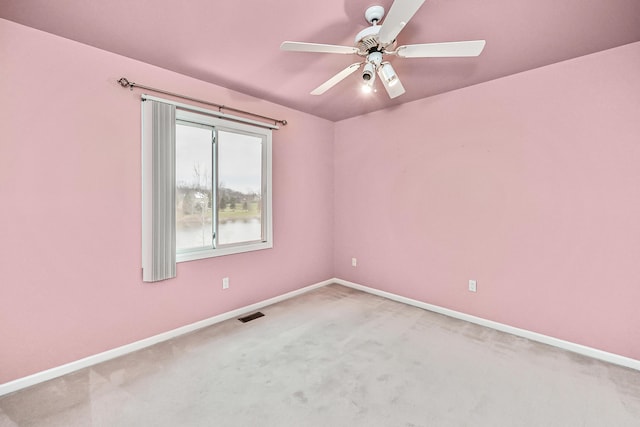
x=376 y=41
x=369 y=73
x=389 y=74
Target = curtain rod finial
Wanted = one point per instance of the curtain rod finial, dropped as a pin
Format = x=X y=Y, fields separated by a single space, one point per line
x=126 y=83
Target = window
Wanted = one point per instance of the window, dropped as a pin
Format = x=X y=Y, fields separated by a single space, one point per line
x=206 y=186
x=222 y=203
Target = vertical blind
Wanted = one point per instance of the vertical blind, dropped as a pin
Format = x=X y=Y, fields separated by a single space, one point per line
x=158 y=191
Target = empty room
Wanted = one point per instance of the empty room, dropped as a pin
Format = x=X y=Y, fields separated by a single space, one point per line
x=340 y=213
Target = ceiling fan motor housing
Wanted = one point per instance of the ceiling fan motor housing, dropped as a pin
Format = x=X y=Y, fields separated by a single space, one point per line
x=367 y=39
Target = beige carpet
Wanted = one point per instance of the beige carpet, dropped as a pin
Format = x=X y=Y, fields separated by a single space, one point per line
x=338 y=357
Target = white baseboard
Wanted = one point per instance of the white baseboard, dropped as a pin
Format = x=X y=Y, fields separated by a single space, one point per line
x=534 y=336
x=58 y=371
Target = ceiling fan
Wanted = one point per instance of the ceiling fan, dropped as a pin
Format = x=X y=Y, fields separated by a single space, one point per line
x=377 y=41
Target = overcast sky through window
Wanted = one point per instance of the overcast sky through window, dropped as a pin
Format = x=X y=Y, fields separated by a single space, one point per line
x=239 y=158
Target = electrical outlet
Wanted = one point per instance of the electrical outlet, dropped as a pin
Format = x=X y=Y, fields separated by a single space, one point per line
x=354 y=262
x=473 y=285
x=225 y=283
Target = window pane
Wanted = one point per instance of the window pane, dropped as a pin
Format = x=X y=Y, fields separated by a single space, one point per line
x=239 y=188
x=194 y=219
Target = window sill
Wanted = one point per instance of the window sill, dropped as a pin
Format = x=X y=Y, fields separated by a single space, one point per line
x=212 y=253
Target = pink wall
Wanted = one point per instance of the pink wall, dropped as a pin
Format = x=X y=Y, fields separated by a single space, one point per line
x=70 y=212
x=529 y=184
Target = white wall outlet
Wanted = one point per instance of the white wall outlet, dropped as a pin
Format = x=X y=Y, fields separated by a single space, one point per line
x=225 y=283
x=473 y=285
x=354 y=262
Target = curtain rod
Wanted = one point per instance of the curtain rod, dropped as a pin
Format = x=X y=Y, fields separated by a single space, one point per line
x=126 y=83
x=209 y=112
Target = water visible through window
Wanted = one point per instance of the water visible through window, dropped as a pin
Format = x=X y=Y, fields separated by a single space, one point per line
x=239 y=188
x=194 y=178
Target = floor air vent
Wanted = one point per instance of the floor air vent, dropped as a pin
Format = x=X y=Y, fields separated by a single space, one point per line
x=251 y=317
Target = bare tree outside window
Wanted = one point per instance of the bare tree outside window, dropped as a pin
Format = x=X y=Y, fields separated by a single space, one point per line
x=194 y=207
x=222 y=187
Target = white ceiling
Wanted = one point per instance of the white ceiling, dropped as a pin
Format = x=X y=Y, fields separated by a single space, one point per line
x=236 y=44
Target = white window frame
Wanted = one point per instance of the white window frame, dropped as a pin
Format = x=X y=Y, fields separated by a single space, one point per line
x=266 y=212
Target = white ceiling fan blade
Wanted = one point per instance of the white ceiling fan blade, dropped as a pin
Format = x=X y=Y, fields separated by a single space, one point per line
x=400 y=13
x=395 y=88
x=317 y=48
x=336 y=79
x=438 y=50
